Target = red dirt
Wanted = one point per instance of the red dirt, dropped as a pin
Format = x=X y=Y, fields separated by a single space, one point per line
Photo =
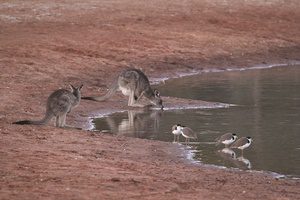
x=45 y=45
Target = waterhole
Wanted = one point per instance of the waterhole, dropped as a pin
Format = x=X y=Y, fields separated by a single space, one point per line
x=268 y=110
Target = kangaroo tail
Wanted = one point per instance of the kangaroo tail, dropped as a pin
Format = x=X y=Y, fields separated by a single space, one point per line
x=43 y=121
x=112 y=90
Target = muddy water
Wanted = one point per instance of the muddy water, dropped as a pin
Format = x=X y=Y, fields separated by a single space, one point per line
x=268 y=110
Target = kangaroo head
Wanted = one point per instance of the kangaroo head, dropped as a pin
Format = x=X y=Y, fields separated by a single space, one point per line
x=76 y=91
x=156 y=100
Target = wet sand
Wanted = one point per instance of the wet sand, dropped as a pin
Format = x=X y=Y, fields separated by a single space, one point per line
x=48 y=45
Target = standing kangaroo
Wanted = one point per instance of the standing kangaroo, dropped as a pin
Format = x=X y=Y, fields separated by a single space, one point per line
x=59 y=104
x=135 y=84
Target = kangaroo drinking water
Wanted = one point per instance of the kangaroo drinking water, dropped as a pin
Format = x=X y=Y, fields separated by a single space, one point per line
x=135 y=84
x=59 y=103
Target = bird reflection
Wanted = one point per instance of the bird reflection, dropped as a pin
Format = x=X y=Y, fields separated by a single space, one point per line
x=229 y=155
x=140 y=124
x=243 y=163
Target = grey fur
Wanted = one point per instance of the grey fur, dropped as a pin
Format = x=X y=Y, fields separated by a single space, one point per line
x=59 y=104
x=135 y=84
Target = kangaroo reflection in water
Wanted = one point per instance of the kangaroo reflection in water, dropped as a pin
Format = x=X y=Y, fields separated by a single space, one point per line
x=229 y=155
x=140 y=124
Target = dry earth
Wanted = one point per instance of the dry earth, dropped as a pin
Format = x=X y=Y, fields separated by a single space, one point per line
x=45 y=45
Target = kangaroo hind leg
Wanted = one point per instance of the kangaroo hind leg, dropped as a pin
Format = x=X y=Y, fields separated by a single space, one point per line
x=57 y=121
x=63 y=120
x=60 y=121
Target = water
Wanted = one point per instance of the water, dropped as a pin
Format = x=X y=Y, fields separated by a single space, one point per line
x=268 y=111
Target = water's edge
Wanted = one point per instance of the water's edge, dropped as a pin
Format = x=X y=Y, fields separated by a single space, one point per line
x=188 y=153
x=156 y=81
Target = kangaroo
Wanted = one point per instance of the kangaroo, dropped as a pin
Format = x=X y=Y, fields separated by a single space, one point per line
x=135 y=84
x=140 y=124
x=59 y=104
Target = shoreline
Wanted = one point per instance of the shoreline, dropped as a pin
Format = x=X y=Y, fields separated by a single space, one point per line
x=156 y=81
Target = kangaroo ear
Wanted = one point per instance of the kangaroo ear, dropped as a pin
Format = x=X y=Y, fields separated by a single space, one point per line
x=79 y=88
x=72 y=88
x=156 y=93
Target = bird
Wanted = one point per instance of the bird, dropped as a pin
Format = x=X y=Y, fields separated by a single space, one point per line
x=227 y=154
x=227 y=139
x=242 y=143
x=188 y=133
x=176 y=130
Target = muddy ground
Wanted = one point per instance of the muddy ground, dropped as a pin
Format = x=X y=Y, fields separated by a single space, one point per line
x=46 y=45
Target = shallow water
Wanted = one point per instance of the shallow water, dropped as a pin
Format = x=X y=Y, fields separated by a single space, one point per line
x=268 y=110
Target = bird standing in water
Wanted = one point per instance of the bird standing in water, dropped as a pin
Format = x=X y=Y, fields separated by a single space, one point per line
x=242 y=143
x=176 y=130
x=227 y=139
x=188 y=133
